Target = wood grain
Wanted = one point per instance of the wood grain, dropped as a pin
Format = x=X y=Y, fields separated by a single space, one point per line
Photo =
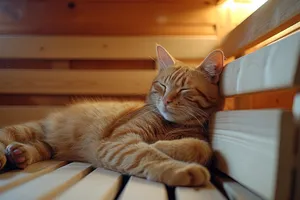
x=273 y=17
x=50 y=185
x=208 y=192
x=256 y=148
x=126 y=47
x=282 y=99
x=99 y=184
x=14 y=178
x=75 y=82
x=108 y=18
x=19 y=114
x=112 y=64
x=138 y=188
x=61 y=100
x=270 y=68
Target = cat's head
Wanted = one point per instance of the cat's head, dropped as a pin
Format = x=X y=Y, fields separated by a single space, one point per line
x=186 y=94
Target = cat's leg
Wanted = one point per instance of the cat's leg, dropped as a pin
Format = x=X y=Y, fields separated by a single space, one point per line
x=130 y=155
x=23 y=144
x=186 y=149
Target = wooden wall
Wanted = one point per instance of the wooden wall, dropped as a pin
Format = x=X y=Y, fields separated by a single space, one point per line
x=114 y=18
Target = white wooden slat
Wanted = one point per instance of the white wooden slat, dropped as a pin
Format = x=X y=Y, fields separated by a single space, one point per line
x=49 y=185
x=208 y=193
x=296 y=112
x=99 y=184
x=234 y=190
x=273 y=67
x=14 y=178
x=255 y=148
x=138 y=188
x=88 y=82
x=271 y=18
x=131 y=47
x=18 y=114
x=297 y=170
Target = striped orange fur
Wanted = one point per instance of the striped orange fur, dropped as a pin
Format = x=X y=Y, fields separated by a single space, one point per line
x=163 y=139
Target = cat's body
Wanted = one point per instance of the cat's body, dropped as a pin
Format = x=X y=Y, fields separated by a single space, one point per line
x=162 y=140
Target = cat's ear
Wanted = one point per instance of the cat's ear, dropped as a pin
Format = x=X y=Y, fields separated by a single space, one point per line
x=164 y=59
x=212 y=66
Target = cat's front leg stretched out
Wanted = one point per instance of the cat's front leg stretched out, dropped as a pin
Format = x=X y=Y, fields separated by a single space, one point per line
x=186 y=149
x=130 y=155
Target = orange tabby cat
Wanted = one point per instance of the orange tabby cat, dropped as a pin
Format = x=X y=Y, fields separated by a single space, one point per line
x=163 y=140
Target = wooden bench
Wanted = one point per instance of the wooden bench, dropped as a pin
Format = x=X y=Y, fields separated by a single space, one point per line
x=257 y=152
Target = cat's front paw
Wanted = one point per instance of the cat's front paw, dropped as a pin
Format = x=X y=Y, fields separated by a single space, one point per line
x=182 y=174
x=191 y=175
x=18 y=155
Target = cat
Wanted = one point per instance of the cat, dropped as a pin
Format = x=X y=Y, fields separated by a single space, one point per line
x=162 y=140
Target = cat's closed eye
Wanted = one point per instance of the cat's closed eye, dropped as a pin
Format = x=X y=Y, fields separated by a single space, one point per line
x=159 y=87
x=184 y=90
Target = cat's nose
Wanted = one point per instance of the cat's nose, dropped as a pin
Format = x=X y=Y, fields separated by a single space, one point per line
x=167 y=101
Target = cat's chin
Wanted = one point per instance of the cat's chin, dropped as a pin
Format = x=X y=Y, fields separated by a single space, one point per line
x=169 y=117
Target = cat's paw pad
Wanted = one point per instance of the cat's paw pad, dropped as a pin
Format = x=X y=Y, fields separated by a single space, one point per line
x=189 y=175
x=2 y=160
x=17 y=154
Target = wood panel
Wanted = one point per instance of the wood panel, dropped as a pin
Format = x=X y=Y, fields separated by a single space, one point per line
x=282 y=99
x=208 y=192
x=59 y=100
x=64 y=82
x=273 y=67
x=273 y=17
x=112 y=64
x=50 y=185
x=19 y=114
x=11 y=179
x=108 y=17
x=127 y=47
x=256 y=148
x=99 y=184
x=138 y=188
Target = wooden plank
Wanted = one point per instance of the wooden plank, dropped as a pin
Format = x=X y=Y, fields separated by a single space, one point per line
x=234 y=190
x=49 y=185
x=296 y=112
x=65 y=82
x=270 y=68
x=99 y=184
x=61 y=100
x=127 y=47
x=60 y=64
x=273 y=17
x=113 y=64
x=38 y=100
x=131 y=17
x=138 y=188
x=281 y=99
x=19 y=114
x=255 y=148
x=14 y=178
x=208 y=193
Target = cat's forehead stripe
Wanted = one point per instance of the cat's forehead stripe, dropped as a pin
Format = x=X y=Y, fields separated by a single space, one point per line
x=179 y=78
x=175 y=74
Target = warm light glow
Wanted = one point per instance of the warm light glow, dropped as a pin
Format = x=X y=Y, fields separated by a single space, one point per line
x=253 y=4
